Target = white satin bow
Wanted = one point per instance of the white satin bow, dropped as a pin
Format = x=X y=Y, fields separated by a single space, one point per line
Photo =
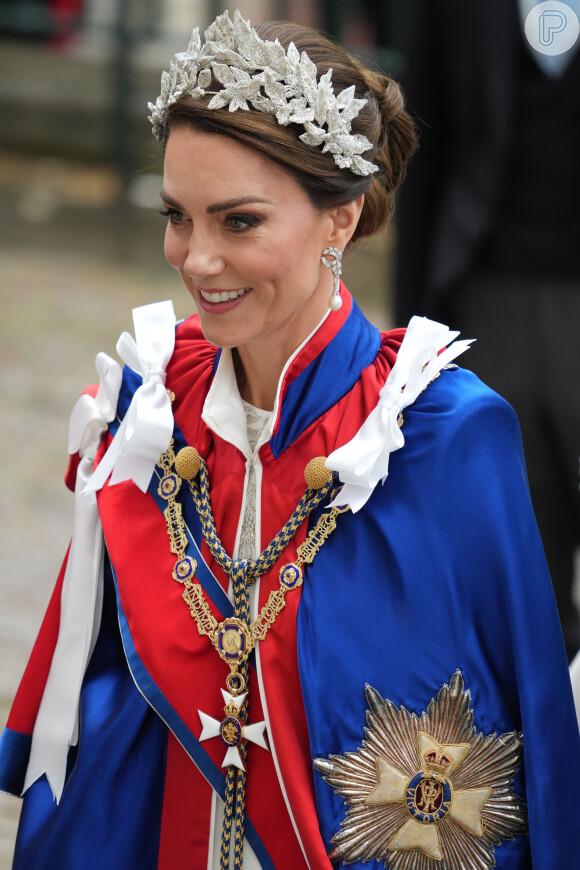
x=365 y=459
x=144 y=434
x=56 y=727
x=147 y=428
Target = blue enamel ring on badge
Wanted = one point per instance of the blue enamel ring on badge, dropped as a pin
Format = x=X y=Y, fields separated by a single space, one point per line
x=184 y=569
x=290 y=575
x=169 y=486
x=232 y=641
x=231 y=731
x=428 y=797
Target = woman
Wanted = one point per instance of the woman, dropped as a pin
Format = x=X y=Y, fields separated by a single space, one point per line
x=273 y=677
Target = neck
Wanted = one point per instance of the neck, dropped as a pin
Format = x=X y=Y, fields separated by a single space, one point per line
x=257 y=375
x=259 y=364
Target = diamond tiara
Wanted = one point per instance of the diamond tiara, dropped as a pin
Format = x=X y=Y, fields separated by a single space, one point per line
x=260 y=73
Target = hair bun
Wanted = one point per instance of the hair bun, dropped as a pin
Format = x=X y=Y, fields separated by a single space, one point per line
x=391 y=102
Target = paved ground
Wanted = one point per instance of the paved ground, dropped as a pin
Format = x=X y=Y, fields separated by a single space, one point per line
x=73 y=262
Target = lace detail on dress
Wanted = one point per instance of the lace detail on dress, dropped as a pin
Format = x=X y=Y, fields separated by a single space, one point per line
x=256 y=422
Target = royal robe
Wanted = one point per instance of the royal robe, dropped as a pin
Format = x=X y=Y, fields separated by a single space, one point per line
x=441 y=571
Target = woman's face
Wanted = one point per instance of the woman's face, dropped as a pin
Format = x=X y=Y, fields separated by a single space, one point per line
x=246 y=241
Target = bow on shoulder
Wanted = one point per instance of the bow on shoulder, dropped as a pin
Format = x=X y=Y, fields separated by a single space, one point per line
x=427 y=347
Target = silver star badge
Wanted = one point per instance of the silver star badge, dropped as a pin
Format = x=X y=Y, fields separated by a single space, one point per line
x=426 y=791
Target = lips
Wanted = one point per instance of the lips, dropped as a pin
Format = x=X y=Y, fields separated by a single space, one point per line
x=215 y=296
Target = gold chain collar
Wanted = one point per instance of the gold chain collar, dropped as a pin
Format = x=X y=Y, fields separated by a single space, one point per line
x=235 y=637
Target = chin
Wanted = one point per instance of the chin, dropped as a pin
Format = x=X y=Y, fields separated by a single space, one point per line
x=218 y=337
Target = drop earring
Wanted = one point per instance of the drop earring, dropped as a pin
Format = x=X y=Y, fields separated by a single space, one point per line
x=335 y=266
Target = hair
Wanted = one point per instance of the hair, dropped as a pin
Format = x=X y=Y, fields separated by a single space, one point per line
x=383 y=120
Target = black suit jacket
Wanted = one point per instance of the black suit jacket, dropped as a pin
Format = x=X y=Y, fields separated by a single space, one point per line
x=460 y=86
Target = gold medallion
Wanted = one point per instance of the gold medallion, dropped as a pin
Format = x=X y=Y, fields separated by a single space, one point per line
x=233 y=641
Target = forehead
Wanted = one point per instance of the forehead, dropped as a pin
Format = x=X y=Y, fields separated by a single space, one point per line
x=212 y=164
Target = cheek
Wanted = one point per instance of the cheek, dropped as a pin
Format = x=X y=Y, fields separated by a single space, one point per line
x=309 y=242
x=299 y=251
x=174 y=248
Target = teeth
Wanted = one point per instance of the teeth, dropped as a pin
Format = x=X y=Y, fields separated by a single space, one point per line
x=222 y=295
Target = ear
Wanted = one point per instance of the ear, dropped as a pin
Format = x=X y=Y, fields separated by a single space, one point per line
x=344 y=220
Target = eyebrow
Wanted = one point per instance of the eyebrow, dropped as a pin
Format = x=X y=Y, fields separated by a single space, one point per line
x=235 y=203
x=170 y=201
x=221 y=206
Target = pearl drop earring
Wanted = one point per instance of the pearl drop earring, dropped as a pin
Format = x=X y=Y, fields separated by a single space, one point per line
x=335 y=266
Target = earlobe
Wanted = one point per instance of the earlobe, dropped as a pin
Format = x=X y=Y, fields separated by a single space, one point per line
x=344 y=222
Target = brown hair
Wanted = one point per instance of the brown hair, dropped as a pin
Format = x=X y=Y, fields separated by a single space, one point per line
x=383 y=121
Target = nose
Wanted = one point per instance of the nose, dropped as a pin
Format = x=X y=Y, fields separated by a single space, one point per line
x=204 y=257
x=196 y=255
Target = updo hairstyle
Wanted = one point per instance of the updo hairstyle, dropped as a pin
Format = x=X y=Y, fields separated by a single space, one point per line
x=383 y=120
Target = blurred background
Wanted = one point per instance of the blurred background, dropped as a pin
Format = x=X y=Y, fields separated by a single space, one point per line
x=81 y=240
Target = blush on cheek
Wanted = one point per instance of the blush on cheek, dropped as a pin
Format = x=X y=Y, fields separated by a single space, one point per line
x=168 y=257
x=171 y=250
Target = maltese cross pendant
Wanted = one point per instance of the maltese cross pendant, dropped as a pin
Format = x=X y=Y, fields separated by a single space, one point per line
x=232 y=729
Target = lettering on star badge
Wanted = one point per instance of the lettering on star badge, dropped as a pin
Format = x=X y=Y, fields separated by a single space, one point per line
x=426 y=792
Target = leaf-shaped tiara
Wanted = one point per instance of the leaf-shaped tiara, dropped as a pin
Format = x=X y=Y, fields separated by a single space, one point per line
x=259 y=73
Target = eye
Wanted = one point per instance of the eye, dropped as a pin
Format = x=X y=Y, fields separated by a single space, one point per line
x=241 y=222
x=175 y=216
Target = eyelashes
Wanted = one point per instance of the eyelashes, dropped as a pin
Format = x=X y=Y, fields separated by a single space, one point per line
x=238 y=223
x=241 y=222
x=175 y=216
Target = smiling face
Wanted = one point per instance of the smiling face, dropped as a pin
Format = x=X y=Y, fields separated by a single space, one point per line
x=247 y=242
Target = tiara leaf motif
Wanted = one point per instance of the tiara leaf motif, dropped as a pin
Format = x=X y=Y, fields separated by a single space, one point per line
x=260 y=74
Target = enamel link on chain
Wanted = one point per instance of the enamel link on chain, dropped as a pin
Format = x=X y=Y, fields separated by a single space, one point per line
x=235 y=638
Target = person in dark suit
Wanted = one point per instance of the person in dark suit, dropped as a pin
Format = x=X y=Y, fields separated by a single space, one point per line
x=488 y=232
